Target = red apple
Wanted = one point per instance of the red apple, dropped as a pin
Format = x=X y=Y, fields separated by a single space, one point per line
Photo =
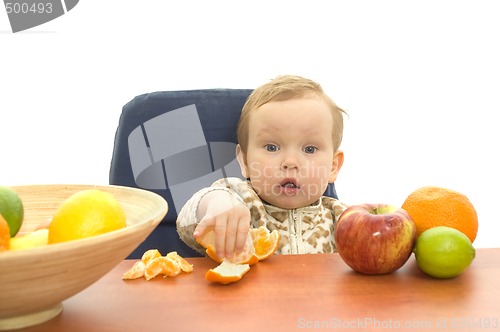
x=375 y=238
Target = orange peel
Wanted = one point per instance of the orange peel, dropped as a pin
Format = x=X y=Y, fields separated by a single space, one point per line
x=227 y=272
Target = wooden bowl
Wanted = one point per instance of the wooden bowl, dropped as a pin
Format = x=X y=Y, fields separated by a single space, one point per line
x=34 y=282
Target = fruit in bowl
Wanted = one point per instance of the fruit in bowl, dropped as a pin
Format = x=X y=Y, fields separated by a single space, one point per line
x=86 y=213
x=375 y=238
x=11 y=209
x=34 y=282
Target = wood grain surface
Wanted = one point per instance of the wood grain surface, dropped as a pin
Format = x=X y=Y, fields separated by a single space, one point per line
x=285 y=293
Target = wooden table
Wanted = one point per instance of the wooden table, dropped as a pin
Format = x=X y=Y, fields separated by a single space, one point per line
x=285 y=293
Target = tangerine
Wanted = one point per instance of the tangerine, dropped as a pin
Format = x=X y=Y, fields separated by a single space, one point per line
x=433 y=206
x=207 y=240
x=260 y=244
x=4 y=234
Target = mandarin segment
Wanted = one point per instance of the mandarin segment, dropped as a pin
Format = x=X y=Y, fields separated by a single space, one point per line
x=149 y=255
x=153 y=268
x=152 y=264
x=136 y=271
x=161 y=265
x=185 y=266
x=265 y=242
x=433 y=206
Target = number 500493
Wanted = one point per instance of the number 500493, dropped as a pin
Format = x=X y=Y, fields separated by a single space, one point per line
x=26 y=8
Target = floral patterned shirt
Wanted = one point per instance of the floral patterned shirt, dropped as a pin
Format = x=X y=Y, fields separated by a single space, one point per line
x=305 y=230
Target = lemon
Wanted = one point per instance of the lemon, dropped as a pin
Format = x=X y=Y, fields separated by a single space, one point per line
x=34 y=239
x=11 y=208
x=443 y=252
x=86 y=213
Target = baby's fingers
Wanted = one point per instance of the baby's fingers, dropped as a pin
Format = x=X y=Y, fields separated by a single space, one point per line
x=241 y=236
x=205 y=223
x=220 y=229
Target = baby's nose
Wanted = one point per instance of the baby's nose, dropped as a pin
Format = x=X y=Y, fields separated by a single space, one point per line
x=290 y=161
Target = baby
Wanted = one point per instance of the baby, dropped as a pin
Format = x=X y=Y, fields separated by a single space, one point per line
x=289 y=135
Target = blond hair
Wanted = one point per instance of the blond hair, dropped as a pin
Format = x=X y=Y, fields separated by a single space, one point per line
x=284 y=88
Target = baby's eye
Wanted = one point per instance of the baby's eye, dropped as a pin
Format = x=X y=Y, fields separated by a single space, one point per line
x=271 y=147
x=310 y=149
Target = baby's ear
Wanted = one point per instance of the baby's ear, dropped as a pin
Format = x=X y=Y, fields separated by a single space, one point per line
x=338 y=161
x=242 y=160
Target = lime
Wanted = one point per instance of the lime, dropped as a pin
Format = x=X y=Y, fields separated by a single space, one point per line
x=11 y=208
x=84 y=214
x=443 y=252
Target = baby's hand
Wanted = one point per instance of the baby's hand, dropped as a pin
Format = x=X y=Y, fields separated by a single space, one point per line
x=230 y=220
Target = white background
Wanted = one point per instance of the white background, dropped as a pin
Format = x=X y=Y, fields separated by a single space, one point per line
x=419 y=79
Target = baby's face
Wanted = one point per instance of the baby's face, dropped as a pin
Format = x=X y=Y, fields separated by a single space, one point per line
x=290 y=158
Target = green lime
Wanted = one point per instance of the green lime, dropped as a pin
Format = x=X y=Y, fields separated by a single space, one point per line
x=11 y=208
x=443 y=252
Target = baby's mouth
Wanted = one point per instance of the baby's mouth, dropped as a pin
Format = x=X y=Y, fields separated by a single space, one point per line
x=289 y=183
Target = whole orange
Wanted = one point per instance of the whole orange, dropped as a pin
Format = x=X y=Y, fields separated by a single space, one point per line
x=433 y=206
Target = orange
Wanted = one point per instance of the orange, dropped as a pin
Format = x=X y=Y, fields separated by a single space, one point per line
x=227 y=272
x=4 y=234
x=260 y=244
x=433 y=206
x=84 y=214
x=152 y=264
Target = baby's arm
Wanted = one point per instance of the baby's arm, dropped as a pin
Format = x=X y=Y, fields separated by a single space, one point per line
x=230 y=219
x=225 y=204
